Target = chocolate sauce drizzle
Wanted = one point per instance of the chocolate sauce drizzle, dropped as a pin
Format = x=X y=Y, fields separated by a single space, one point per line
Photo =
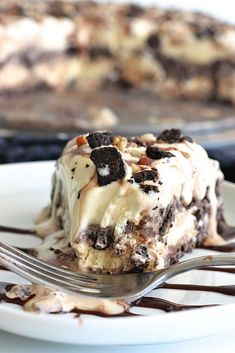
x=146 y=302
x=230 y=247
x=228 y=234
x=166 y=305
x=15 y=230
x=4 y=288
x=227 y=290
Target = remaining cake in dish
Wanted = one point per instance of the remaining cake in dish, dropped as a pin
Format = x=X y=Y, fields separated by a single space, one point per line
x=61 y=44
x=134 y=204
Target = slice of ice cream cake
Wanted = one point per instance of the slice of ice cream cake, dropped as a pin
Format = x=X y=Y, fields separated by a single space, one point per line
x=133 y=204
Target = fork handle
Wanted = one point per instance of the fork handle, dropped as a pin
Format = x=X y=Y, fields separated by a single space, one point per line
x=155 y=279
x=191 y=264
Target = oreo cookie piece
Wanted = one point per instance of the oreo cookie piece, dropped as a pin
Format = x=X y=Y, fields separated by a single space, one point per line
x=97 y=139
x=172 y=136
x=102 y=238
x=148 y=174
x=109 y=164
x=147 y=188
x=156 y=153
x=140 y=257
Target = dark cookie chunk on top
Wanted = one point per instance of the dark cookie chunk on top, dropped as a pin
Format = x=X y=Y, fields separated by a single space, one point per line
x=156 y=153
x=140 y=257
x=97 y=139
x=172 y=136
x=148 y=174
x=109 y=164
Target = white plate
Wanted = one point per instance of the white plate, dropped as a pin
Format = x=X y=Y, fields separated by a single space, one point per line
x=24 y=190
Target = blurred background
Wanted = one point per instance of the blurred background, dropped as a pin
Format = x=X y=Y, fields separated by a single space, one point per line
x=71 y=67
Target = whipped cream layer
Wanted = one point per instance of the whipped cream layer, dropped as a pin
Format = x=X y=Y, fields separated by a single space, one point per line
x=123 y=205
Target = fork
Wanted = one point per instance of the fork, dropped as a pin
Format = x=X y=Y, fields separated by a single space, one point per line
x=129 y=287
